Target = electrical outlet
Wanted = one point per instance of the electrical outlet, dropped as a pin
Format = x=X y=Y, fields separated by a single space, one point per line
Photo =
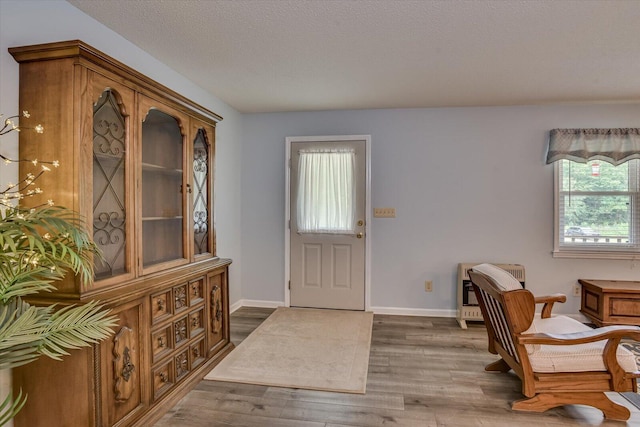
x=428 y=286
x=577 y=290
x=384 y=212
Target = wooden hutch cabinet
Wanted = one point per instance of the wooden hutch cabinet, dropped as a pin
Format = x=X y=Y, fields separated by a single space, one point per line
x=136 y=162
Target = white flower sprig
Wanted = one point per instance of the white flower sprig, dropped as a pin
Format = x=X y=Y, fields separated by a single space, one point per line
x=16 y=192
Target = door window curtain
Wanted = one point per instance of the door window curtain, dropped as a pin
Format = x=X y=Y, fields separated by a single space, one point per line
x=326 y=191
x=614 y=146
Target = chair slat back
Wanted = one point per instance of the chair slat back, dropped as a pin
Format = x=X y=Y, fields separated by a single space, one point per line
x=494 y=311
x=498 y=316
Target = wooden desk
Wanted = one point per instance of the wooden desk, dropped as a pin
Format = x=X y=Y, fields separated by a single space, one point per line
x=611 y=302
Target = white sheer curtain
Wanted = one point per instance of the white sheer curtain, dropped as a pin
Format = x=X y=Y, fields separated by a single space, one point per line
x=326 y=191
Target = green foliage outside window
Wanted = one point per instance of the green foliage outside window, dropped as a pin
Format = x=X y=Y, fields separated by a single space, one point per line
x=598 y=195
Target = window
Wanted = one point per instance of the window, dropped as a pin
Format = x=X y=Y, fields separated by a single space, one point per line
x=597 y=209
x=326 y=191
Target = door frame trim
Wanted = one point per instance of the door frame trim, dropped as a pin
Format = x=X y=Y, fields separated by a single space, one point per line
x=367 y=210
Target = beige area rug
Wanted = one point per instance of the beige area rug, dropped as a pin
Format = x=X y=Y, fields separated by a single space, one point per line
x=303 y=348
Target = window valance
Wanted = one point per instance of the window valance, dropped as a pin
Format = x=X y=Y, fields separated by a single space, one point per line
x=614 y=146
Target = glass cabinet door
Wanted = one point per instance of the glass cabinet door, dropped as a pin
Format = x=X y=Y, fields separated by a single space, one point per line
x=110 y=175
x=200 y=198
x=162 y=188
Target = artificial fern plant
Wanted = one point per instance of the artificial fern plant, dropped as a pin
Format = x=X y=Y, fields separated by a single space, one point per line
x=38 y=246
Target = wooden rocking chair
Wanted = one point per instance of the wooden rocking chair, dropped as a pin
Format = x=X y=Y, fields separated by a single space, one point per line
x=559 y=360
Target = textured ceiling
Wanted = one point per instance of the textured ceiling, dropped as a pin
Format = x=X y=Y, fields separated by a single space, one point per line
x=296 y=55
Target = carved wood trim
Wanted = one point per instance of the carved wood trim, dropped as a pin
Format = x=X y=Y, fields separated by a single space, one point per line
x=180 y=330
x=97 y=378
x=216 y=309
x=124 y=370
x=180 y=297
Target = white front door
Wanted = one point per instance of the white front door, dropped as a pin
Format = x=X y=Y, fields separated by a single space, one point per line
x=327 y=223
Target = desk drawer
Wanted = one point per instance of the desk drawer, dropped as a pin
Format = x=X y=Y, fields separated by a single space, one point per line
x=624 y=307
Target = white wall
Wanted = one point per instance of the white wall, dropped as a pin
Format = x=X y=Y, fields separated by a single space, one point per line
x=30 y=22
x=468 y=185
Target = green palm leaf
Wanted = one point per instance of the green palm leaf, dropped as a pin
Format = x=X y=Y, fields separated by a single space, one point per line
x=10 y=407
x=37 y=248
x=75 y=327
x=21 y=329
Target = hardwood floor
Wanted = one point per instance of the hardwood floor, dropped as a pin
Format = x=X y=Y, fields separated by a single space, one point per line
x=423 y=372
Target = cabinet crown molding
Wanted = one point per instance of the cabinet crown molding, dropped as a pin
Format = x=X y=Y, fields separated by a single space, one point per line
x=90 y=55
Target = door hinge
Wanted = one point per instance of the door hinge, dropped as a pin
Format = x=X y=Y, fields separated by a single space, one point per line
x=289 y=284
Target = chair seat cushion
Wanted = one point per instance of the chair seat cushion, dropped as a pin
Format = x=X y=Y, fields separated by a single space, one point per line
x=571 y=358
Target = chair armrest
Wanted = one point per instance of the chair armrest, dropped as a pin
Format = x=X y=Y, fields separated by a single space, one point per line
x=593 y=335
x=548 y=301
x=613 y=335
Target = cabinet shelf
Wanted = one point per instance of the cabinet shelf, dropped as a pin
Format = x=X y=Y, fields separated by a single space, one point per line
x=110 y=159
x=150 y=167
x=162 y=218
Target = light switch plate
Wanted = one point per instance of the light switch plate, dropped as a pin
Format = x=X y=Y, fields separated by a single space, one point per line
x=384 y=212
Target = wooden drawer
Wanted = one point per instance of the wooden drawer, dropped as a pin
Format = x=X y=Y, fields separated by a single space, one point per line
x=196 y=291
x=161 y=343
x=196 y=323
x=182 y=364
x=197 y=353
x=621 y=306
x=163 y=378
x=161 y=308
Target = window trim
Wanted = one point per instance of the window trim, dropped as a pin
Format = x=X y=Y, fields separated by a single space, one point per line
x=584 y=252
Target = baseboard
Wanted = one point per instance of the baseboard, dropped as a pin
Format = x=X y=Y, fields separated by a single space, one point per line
x=424 y=312
x=579 y=317
x=254 y=303
x=376 y=310
x=397 y=311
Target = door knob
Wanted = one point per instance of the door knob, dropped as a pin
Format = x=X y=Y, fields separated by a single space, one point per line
x=359 y=235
